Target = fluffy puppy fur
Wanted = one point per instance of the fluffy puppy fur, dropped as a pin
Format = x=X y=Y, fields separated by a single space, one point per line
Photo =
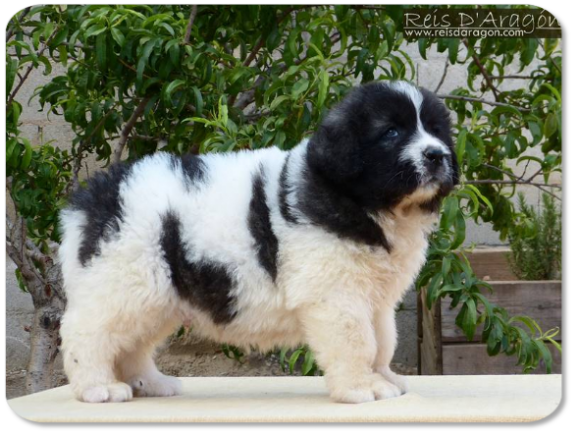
x=259 y=249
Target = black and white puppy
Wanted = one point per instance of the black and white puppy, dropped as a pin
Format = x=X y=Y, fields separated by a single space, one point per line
x=263 y=248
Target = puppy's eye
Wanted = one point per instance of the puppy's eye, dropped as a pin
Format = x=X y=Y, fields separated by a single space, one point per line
x=391 y=133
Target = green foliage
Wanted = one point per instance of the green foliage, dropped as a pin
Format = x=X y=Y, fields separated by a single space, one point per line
x=301 y=358
x=232 y=352
x=536 y=241
x=248 y=77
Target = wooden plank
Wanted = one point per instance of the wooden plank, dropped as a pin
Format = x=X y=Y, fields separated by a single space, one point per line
x=473 y=359
x=541 y=300
x=431 y=344
x=491 y=263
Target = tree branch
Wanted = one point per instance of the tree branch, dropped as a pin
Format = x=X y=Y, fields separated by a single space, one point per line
x=10 y=32
x=540 y=186
x=23 y=78
x=482 y=69
x=443 y=78
x=192 y=17
x=510 y=76
x=550 y=57
x=78 y=155
x=487 y=102
x=128 y=127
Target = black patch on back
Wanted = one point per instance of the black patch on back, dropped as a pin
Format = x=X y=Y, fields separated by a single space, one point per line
x=205 y=284
x=283 y=191
x=192 y=166
x=259 y=221
x=102 y=206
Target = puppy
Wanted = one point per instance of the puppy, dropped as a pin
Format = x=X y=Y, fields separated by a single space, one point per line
x=261 y=249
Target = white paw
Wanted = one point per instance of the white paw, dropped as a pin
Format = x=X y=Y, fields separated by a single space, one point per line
x=157 y=385
x=399 y=380
x=116 y=392
x=369 y=389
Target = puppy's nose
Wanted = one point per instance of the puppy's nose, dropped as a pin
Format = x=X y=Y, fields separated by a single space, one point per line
x=434 y=155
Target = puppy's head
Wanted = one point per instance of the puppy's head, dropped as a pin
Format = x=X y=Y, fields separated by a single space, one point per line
x=387 y=143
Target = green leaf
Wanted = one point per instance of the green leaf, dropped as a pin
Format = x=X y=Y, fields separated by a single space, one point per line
x=293 y=360
x=536 y=130
x=170 y=89
x=282 y=357
x=118 y=36
x=47 y=65
x=299 y=88
x=144 y=58
x=527 y=54
x=308 y=363
x=446 y=265
x=323 y=88
x=460 y=231
x=545 y=355
x=551 y=125
x=101 y=51
x=27 y=157
x=63 y=54
x=48 y=29
x=59 y=38
x=11 y=70
x=461 y=145
x=466 y=319
x=453 y=46
x=97 y=29
x=433 y=289
x=198 y=101
x=422 y=47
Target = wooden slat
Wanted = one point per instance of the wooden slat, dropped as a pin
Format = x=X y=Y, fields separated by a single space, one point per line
x=473 y=359
x=541 y=300
x=491 y=264
x=431 y=344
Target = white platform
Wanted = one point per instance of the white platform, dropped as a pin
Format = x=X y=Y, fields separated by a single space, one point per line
x=521 y=398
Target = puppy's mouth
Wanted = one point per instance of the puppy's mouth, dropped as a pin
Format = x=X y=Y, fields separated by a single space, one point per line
x=439 y=178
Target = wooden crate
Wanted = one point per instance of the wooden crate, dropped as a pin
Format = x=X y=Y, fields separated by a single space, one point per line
x=444 y=350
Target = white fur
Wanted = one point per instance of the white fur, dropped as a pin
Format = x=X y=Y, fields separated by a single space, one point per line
x=422 y=139
x=336 y=295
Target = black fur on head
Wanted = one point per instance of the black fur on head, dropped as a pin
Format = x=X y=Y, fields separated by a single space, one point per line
x=383 y=142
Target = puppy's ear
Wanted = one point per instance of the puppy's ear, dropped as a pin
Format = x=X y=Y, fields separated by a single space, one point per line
x=334 y=149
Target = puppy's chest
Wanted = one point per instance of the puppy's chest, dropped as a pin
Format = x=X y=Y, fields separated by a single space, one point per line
x=393 y=273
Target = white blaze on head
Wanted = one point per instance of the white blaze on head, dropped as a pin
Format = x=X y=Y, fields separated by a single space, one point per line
x=421 y=139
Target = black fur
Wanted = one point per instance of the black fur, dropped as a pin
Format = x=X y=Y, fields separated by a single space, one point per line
x=192 y=166
x=329 y=208
x=205 y=284
x=259 y=221
x=102 y=205
x=354 y=170
x=283 y=191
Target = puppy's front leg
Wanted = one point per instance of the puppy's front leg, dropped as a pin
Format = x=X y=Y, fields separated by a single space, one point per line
x=340 y=332
x=386 y=334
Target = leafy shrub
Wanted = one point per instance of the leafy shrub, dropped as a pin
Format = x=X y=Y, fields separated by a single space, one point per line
x=536 y=242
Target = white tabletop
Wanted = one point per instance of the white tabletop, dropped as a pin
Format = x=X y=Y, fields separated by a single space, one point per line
x=516 y=398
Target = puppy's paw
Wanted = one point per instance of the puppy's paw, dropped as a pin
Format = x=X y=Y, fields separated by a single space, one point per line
x=157 y=385
x=399 y=380
x=371 y=388
x=116 y=392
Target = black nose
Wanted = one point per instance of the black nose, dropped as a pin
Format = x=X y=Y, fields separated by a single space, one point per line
x=434 y=155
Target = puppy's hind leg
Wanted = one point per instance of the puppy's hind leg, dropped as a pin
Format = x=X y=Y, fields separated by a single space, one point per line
x=341 y=334
x=386 y=334
x=138 y=369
